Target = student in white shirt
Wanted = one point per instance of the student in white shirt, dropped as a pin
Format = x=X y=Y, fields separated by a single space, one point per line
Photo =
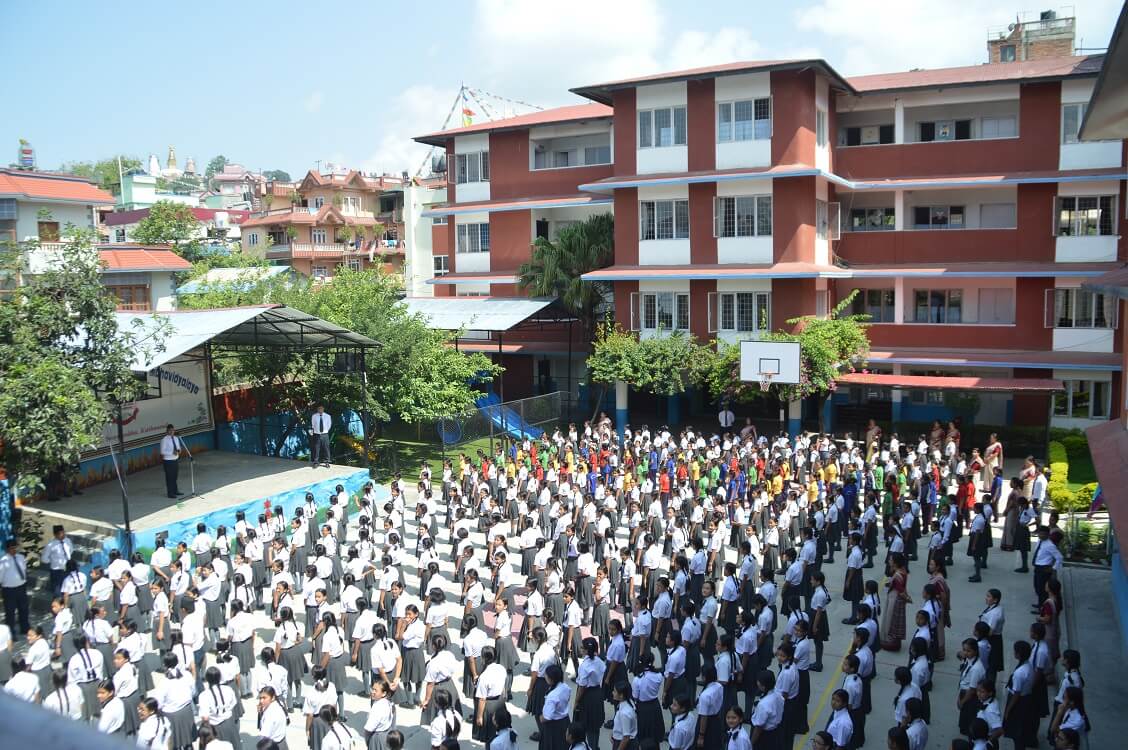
x=174 y=697
x=23 y=684
x=219 y=707
x=624 y=727
x=111 y=714
x=66 y=699
x=381 y=716
x=272 y=718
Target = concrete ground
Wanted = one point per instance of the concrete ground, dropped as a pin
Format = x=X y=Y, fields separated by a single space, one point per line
x=1089 y=623
x=221 y=479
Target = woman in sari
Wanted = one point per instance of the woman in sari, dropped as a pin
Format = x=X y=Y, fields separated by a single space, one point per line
x=896 y=600
x=1029 y=473
x=993 y=455
x=873 y=440
x=1049 y=614
x=938 y=577
x=936 y=437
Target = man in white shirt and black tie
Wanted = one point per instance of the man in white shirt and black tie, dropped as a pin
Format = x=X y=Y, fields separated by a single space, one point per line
x=13 y=584
x=57 y=554
x=319 y=437
x=171 y=447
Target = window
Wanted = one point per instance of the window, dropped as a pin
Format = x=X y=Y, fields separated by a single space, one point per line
x=7 y=208
x=1083 y=399
x=440 y=264
x=473 y=238
x=1080 y=308
x=664 y=220
x=563 y=159
x=666 y=311
x=944 y=130
x=997 y=216
x=872 y=219
x=867 y=135
x=318 y=236
x=745 y=120
x=252 y=239
x=1071 y=117
x=597 y=154
x=661 y=127
x=320 y=272
x=119 y=235
x=472 y=167
x=1006 y=53
x=354 y=264
x=438 y=220
x=820 y=127
x=1086 y=216
x=131 y=298
x=998 y=127
x=822 y=220
x=938 y=306
x=938 y=217
x=48 y=231
x=319 y=201
x=876 y=303
x=742 y=216
x=996 y=306
x=744 y=312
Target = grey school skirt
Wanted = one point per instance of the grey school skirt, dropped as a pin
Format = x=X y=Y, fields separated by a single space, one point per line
x=293 y=661
x=243 y=651
x=183 y=726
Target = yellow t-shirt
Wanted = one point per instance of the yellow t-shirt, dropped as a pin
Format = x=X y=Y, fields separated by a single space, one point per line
x=832 y=472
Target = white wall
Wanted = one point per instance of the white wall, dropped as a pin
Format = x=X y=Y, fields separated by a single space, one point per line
x=1086 y=155
x=822 y=101
x=27 y=217
x=970 y=288
x=1084 y=339
x=669 y=158
x=661 y=286
x=755 y=153
x=418 y=266
x=822 y=245
x=472 y=288
x=162 y=294
x=469 y=192
x=745 y=249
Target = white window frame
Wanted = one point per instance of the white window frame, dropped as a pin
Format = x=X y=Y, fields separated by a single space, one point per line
x=319 y=272
x=947 y=306
x=828 y=220
x=649 y=319
x=761 y=312
x=650 y=117
x=887 y=313
x=318 y=201
x=252 y=239
x=996 y=120
x=472 y=238
x=679 y=209
x=1066 y=302
x=755 y=131
x=438 y=220
x=1078 y=221
x=472 y=167
x=318 y=237
x=821 y=136
x=1064 y=407
x=1068 y=137
x=759 y=228
x=354 y=264
x=440 y=265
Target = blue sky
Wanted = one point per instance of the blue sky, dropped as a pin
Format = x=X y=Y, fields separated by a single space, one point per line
x=281 y=85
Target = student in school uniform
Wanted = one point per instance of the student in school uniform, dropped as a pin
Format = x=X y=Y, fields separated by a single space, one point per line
x=273 y=720
x=767 y=720
x=995 y=618
x=624 y=727
x=840 y=728
x=381 y=716
x=554 y=715
x=1020 y=715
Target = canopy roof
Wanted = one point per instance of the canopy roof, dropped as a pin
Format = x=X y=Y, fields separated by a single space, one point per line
x=257 y=328
x=484 y=313
x=952 y=383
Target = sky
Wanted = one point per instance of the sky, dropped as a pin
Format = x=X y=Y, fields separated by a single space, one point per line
x=283 y=85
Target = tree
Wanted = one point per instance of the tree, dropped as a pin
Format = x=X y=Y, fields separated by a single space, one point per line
x=215 y=166
x=557 y=266
x=665 y=365
x=62 y=361
x=172 y=224
x=104 y=172
x=278 y=175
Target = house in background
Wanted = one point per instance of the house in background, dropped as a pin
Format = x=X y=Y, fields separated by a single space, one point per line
x=40 y=205
x=329 y=221
x=139 y=190
x=142 y=277
x=422 y=234
x=220 y=226
x=234 y=187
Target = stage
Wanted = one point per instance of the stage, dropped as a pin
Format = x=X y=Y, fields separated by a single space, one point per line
x=225 y=483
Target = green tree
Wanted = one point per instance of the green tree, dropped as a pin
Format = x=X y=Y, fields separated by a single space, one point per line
x=105 y=171
x=278 y=175
x=557 y=266
x=215 y=165
x=62 y=360
x=172 y=224
x=665 y=365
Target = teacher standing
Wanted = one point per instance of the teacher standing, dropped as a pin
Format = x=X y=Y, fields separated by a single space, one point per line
x=319 y=437
x=171 y=447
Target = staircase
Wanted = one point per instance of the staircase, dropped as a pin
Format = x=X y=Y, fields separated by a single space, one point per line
x=87 y=538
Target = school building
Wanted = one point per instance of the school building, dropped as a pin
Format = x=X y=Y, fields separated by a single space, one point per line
x=960 y=203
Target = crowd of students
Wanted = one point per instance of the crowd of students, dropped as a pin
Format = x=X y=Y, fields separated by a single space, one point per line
x=669 y=588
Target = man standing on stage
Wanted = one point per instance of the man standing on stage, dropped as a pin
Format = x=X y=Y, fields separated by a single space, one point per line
x=171 y=446
x=319 y=437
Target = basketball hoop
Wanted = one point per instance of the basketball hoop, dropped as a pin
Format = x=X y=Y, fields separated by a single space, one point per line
x=766 y=380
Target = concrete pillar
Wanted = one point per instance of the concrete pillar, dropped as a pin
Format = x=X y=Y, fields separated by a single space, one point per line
x=899 y=300
x=794 y=417
x=898 y=121
x=897 y=394
x=898 y=210
x=828 y=415
x=620 y=406
x=673 y=410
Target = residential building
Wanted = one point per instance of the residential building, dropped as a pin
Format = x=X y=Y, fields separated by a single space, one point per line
x=40 y=205
x=142 y=277
x=1032 y=37
x=218 y=226
x=748 y=194
x=139 y=190
x=235 y=187
x=422 y=234
x=329 y=221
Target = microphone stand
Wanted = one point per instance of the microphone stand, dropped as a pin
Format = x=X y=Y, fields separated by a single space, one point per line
x=191 y=468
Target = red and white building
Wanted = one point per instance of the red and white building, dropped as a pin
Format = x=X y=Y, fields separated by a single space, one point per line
x=959 y=202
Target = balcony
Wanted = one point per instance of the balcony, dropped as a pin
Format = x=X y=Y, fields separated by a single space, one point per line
x=939 y=246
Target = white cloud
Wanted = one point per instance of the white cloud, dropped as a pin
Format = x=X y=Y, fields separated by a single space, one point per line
x=312 y=102
x=414 y=111
x=694 y=49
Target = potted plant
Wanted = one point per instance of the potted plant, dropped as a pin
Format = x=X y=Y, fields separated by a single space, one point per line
x=292 y=233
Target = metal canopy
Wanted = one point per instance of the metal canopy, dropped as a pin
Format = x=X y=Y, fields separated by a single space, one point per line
x=485 y=313
x=271 y=328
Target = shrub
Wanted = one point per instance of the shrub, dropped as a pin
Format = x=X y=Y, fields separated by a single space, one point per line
x=1059 y=472
x=1085 y=494
x=1075 y=445
x=1057 y=453
x=1062 y=498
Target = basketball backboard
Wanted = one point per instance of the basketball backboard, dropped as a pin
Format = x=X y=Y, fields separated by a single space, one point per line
x=774 y=361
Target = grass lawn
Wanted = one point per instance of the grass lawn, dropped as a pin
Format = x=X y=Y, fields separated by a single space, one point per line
x=1081 y=471
x=406 y=447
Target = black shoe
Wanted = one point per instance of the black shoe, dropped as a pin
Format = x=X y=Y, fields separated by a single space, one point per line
x=816 y=667
x=849 y=621
x=868 y=565
x=173 y=497
x=608 y=725
x=535 y=736
x=1022 y=570
x=974 y=579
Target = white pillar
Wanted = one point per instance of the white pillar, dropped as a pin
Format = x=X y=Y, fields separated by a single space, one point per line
x=898 y=121
x=898 y=210
x=899 y=300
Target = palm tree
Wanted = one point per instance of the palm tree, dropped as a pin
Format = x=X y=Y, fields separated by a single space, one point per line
x=556 y=268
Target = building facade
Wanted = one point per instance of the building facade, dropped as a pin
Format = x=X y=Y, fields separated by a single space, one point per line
x=329 y=221
x=959 y=204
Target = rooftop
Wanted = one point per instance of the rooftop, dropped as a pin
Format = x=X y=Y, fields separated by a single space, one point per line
x=51 y=186
x=129 y=257
x=118 y=218
x=1051 y=68
x=556 y=115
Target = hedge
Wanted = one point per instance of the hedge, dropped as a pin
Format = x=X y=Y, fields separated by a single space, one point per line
x=1062 y=498
x=1085 y=494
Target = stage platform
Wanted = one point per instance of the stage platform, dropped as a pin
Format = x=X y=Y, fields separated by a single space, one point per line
x=225 y=483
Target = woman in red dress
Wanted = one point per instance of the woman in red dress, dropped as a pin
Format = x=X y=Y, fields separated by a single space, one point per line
x=896 y=600
x=938 y=577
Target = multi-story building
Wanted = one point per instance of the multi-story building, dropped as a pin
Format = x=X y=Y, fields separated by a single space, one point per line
x=421 y=264
x=958 y=202
x=40 y=205
x=328 y=221
x=235 y=187
x=216 y=225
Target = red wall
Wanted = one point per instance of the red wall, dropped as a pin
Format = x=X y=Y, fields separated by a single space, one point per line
x=1031 y=409
x=1036 y=148
x=699 y=290
x=626 y=226
x=623 y=291
x=793 y=117
x=623 y=132
x=702 y=243
x=510 y=176
x=791 y=298
x=701 y=125
x=793 y=218
x=510 y=239
x=939 y=246
x=1035 y=214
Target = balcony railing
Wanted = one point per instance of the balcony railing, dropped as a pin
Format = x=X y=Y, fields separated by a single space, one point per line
x=134 y=307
